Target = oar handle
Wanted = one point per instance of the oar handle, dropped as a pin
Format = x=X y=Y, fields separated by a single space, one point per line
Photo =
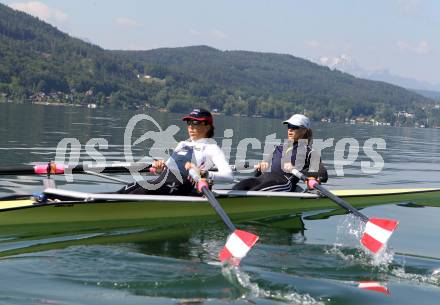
x=53 y=168
x=37 y=169
x=330 y=195
x=58 y=168
x=203 y=187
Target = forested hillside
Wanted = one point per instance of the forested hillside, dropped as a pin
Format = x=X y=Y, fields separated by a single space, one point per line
x=270 y=84
x=37 y=58
x=40 y=63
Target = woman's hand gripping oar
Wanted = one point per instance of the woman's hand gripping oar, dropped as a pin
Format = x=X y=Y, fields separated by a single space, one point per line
x=377 y=230
x=239 y=242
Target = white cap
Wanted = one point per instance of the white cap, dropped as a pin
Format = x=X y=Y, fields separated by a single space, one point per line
x=298 y=120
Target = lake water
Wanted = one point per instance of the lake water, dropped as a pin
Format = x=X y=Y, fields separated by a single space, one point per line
x=287 y=266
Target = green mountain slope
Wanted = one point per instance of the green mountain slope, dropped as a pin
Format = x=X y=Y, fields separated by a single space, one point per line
x=274 y=84
x=39 y=62
x=37 y=57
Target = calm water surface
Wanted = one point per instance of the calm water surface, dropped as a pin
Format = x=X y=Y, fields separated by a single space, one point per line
x=314 y=263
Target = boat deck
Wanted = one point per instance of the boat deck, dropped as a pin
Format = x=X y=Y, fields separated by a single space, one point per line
x=88 y=213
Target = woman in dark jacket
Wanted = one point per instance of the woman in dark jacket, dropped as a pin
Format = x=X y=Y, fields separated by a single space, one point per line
x=296 y=152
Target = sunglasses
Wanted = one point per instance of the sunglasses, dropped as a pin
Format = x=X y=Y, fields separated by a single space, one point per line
x=195 y=123
x=294 y=127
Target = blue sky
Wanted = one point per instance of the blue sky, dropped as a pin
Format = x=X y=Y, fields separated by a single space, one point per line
x=401 y=36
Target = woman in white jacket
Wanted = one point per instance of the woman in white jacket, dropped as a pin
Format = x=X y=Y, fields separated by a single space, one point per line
x=199 y=152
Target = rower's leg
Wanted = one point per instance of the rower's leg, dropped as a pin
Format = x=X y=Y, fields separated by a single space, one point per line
x=273 y=182
x=169 y=185
x=246 y=184
x=128 y=189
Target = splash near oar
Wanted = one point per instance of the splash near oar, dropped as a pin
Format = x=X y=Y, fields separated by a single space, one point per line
x=239 y=242
x=377 y=230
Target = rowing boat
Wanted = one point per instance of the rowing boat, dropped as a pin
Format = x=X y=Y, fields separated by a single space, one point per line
x=85 y=212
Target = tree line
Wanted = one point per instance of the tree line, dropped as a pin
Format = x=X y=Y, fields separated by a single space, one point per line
x=37 y=61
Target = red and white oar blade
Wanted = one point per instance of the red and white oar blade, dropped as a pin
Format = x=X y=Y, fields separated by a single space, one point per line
x=237 y=246
x=377 y=232
x=373 y=286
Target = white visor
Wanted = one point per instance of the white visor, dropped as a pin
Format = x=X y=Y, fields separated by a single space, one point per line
x=298 y=120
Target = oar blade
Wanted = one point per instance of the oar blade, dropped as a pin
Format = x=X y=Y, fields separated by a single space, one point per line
x=377 y=232
x=237 y=246
x=373 y=286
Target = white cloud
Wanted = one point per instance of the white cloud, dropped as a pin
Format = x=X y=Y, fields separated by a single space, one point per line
x=334 y=62
x=127 y=22
x=421 y=48
x=41 y=10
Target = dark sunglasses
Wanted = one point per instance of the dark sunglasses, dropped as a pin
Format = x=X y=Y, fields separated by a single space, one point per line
x=195 y=123
x=294 y=127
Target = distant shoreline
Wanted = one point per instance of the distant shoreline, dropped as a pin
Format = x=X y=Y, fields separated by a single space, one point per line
x=162 y=110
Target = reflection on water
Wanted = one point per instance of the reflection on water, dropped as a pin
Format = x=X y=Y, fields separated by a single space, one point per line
x=309 y=258
x=410 y=156
x=177 y=262
x=182 y=265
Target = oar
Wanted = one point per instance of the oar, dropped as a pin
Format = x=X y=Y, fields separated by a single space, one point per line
x=239 y=242
x=377 y=230
x=58 y=168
